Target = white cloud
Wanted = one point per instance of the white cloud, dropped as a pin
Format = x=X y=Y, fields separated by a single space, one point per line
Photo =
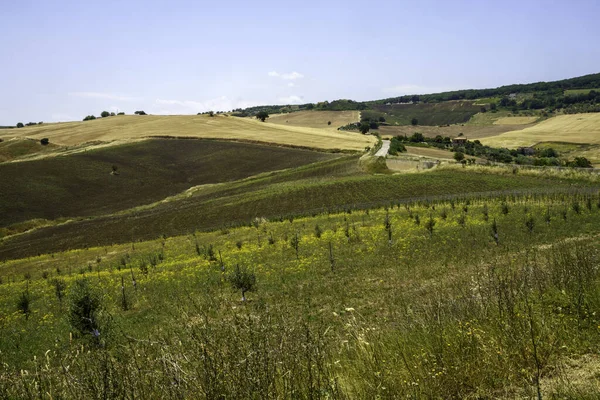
x=291 y=100
x=223 y=103
x=287 y=76
x=291 y=84
x=100 y=95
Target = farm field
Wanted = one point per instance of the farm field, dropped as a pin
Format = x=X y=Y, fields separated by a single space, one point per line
x=432 y=114
x=199 y=126
x=330 y=185
x=22 y=148
x=316 y=119
x=581 y=129
x=579 y=91
x=515 y=120
x=471 y=298
x=147 y=171
x=470 y=131
x=572 y=128
x=429 y=152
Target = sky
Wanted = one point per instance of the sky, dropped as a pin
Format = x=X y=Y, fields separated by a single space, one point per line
x=63 y=60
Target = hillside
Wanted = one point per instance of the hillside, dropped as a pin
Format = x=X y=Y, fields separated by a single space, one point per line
x=580 y=131
x=316 y=119
x=200 y=126
x=83 y=184
x=471 y=298
x=329 y=185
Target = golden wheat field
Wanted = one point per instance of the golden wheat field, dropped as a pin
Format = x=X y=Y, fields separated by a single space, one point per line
x=200 y=126
x=573 y=128
x=316 y=119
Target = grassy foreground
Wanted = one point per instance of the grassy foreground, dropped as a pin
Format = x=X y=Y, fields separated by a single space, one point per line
x=494 y=298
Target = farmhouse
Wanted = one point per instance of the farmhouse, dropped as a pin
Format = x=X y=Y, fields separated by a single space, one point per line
x=459 y=140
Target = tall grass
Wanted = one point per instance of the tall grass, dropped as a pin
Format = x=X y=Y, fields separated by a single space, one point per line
x=439 y=310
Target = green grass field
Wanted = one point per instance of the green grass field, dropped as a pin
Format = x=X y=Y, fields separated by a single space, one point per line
x=128 y=127
x=425 y=300
x=579 y=91
x=331 y=185
x=432 y=114
x=148 y=171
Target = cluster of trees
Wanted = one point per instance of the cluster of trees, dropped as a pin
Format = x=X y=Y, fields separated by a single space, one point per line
x=106 y=114
x=553 y=101
x=522 y=155
x=21 y=125
x=554 y=88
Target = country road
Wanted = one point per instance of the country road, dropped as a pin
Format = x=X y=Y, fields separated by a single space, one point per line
x=385 y=147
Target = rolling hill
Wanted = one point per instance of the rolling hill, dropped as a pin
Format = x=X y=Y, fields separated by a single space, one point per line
x=200 y=126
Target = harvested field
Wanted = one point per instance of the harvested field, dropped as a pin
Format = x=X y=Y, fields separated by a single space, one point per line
x=316 y=119
x=199 y=126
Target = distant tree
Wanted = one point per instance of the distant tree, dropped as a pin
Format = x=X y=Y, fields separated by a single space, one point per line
x=483 y=109
x=364 y=127
x=89 y=118
x=493 y=106
x=414 y=121
x=211 y=113
x=20 y=125
x=140 y=113
x=262 y=115
x=242 y=280
x=105 y=114
x=121 y=113
x=417 y=137
x=580 y=162
x=112 y=114
x=45 y=141
x=328 y=122
x=459 y=156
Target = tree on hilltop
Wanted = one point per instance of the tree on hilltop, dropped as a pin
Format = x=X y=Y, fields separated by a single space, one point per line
x=20 y=125
x=105 y=114
x=262 y=115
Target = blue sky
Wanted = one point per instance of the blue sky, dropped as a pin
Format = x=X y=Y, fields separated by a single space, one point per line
x=62 y=60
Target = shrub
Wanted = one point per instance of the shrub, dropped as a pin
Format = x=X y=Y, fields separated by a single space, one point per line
x=140 y=113
x=59 y=288
x=45 y=141
x=459 y=156
x=89 y=118
x=242 y=280
x=20 y=125
x=24 y=304
x=85 y=307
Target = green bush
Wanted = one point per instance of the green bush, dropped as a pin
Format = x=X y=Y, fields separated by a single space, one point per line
x=242 y=280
